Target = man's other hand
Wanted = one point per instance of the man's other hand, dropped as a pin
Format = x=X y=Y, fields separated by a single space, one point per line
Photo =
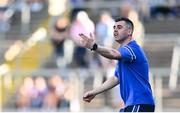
x=88 y=96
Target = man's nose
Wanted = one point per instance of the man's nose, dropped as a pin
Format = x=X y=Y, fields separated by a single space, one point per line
x=115 y=30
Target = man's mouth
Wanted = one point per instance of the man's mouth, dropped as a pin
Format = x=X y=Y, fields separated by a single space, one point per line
x=115 y=34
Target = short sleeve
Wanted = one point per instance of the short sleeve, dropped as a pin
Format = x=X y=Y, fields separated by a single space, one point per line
x=127 y=53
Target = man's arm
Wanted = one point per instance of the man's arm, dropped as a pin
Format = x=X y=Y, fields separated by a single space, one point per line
x=88 y=42
x=108 y=84
x=108 y=52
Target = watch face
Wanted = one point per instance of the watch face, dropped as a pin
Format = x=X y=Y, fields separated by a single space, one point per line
x=94 y=47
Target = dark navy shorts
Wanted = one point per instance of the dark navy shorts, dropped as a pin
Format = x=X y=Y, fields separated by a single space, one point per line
x=139 y=108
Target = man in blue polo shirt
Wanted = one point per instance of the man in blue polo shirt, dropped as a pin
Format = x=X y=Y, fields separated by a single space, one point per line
x=131 y=70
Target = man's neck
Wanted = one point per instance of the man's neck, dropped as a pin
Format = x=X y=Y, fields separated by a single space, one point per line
x=125 y=42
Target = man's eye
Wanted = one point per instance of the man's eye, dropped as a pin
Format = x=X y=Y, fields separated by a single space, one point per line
x=114 y=27
x=119 y=26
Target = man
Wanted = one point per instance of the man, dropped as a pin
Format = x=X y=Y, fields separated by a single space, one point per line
x=131 y=70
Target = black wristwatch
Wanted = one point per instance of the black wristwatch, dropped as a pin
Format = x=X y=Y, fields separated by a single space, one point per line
x=95 y=46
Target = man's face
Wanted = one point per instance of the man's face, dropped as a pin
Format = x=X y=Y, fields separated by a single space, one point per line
x=121 y=31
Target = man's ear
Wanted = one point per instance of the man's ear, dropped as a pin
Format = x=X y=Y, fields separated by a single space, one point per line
x=129 y=32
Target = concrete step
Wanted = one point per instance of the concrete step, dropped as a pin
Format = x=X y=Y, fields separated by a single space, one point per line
x=163 y=26
x=169 y=94
x=36 y=17
x=171 y=103
x=159 y=49
x=166 y=82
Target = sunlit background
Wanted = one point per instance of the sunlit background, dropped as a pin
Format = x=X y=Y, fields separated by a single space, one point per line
x=43 y=69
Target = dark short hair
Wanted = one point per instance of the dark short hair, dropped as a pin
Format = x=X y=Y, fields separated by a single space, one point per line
x=127 y=21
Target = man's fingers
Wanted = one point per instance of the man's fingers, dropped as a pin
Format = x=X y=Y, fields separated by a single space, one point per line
x=86 y=37
x=83 y=36
x=87 y=100
x=91 y=35
x=85 y=95
x=82 y=40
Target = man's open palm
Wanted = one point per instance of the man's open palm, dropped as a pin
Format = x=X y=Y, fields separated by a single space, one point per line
x=86 y=41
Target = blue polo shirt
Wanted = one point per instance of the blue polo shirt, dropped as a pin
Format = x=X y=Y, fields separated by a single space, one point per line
x=132 y=71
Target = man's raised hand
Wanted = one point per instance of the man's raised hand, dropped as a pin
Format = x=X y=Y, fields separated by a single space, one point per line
x=86 y=41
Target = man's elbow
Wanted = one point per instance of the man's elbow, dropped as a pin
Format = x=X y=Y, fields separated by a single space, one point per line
x=115 y=80
x=116 y=55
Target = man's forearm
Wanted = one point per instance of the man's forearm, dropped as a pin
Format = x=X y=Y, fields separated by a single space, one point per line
x=110 y=83
x=108 y=52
